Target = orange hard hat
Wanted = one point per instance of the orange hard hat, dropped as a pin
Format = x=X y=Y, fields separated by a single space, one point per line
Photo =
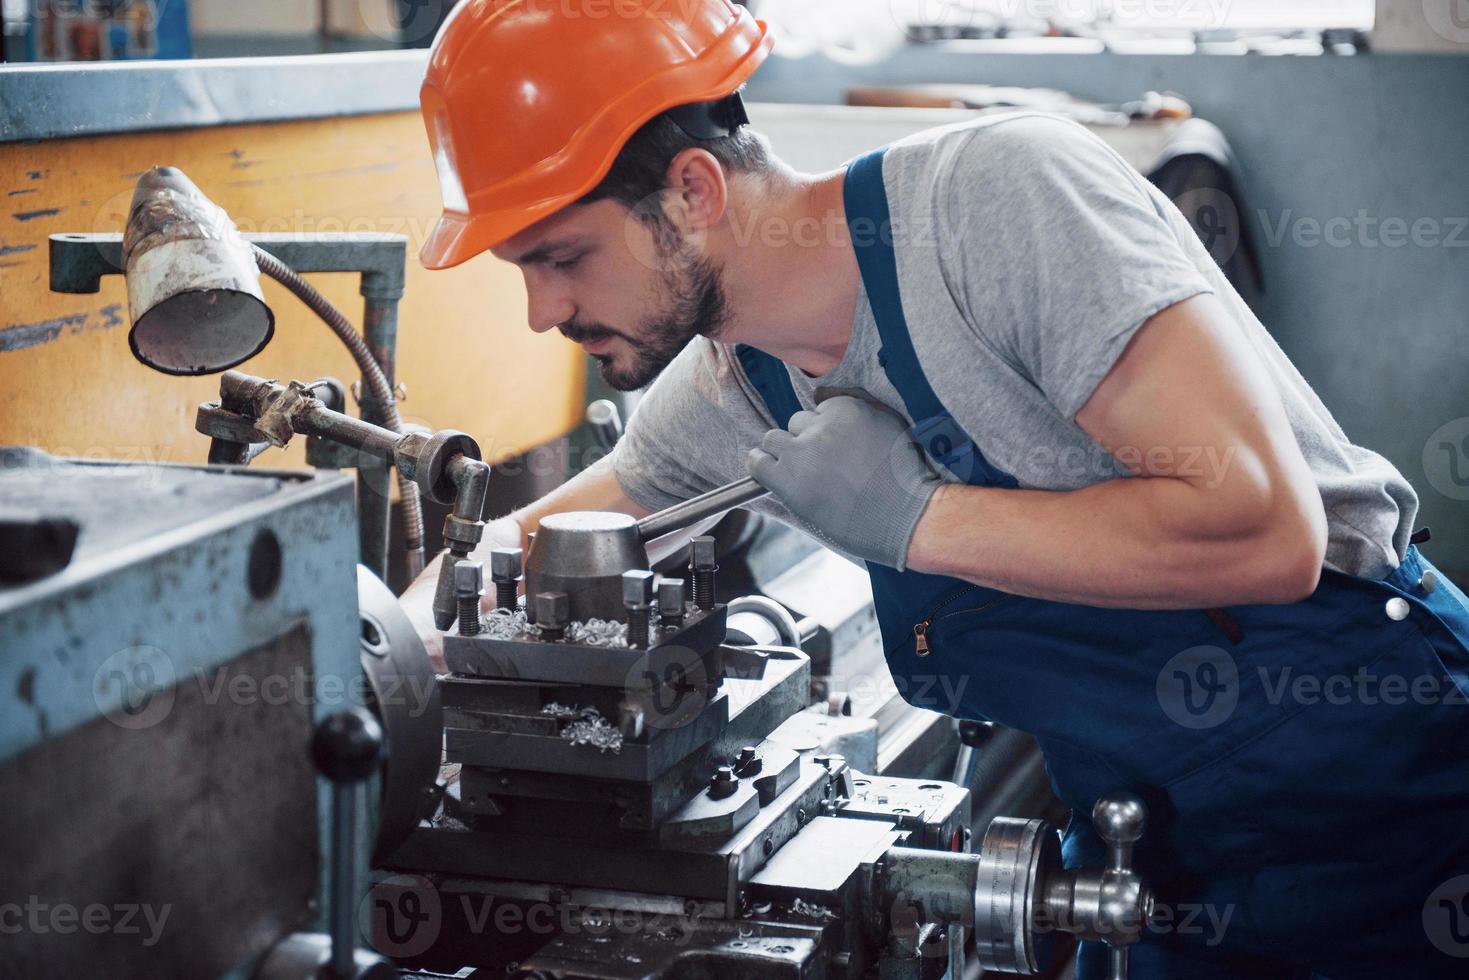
x=528 y=102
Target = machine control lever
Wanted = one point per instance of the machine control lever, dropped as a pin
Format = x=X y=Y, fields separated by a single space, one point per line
x=696 y=509
x=347 y=748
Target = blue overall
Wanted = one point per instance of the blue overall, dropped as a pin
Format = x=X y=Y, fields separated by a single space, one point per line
x=1306 y=766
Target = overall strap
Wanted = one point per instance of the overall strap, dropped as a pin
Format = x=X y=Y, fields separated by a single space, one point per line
x=934 y=428
x=771 y=381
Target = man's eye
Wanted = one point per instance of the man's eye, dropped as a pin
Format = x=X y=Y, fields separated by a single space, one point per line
x=566 y=264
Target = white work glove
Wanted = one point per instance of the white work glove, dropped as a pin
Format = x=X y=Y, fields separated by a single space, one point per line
x=851 y=471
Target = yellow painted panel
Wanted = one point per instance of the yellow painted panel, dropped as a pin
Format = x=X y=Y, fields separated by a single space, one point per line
x=464 y=351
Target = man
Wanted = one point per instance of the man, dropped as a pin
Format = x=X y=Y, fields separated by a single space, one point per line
x=997 y=367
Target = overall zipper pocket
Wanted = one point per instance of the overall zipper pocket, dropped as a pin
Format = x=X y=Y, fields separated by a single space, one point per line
x=920 y=628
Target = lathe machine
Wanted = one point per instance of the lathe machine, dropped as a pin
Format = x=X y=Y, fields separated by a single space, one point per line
x=637 y=780
x=226 y=752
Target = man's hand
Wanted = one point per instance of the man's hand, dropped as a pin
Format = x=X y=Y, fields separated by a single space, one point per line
x=418 y=599
x=851 y=471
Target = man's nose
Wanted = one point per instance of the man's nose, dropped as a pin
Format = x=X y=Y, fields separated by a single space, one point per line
x=547 y=310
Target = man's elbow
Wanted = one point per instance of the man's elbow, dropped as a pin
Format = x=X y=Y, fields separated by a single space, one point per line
x=1278 y=529
x=1294 y=577
x=1289 y=560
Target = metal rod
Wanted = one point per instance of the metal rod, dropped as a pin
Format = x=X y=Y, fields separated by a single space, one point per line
x=695 y=509
x=1117 y=962
x=343 y=878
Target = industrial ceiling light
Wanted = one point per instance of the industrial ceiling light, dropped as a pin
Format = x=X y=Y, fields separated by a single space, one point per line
x=193 y=284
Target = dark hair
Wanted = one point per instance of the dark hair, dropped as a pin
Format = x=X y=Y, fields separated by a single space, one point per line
x=641 y=168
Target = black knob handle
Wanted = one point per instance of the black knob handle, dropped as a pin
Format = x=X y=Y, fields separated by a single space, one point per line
x=347 y=746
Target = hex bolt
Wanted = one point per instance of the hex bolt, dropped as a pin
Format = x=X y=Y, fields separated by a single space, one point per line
x=630 y=719
x=469 y=583
x=671 y=601
x=637 y=599
x=505 y=568
x=748 y=763
x=553 y=614
x=701 y=563
x=724 y=783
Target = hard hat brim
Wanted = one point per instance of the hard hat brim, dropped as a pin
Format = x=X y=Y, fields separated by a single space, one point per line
x=457 y=238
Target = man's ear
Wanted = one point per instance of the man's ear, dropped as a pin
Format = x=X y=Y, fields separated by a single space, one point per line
x=699 y=192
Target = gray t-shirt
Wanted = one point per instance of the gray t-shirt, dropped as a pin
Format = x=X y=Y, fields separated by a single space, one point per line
x=1028 y=254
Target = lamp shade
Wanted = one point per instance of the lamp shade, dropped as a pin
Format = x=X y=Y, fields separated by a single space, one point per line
x=193 y=286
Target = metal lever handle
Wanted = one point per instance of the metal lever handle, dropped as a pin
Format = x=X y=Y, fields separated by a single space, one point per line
x=695 y=509
x=1123 y=902
x=347 y=748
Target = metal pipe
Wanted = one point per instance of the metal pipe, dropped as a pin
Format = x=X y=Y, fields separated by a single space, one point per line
x=365 y=437
x=373 y=500
x=472 y=479
x=696 y=509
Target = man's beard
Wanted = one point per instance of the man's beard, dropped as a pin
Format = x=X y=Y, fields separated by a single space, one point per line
x=696 y=307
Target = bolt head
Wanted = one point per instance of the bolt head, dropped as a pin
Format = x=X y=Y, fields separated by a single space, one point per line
x=637 y=589
x=469 y=578
x=724 y=783
x=553 y=610
x=703 y=553
x=506 y=564
x=630 y=720
x=671 y=596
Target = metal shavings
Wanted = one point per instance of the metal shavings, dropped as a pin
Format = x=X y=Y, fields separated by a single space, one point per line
x=507 y=624
x=598 y=633
x=566 y=712
x=812 y=911
x=587 y=727
x=593 y=729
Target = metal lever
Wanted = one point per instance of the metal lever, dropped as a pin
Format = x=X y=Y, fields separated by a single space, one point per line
x=696 y=509
x=347 y=748
x=1111 y=904
x=1123 y=901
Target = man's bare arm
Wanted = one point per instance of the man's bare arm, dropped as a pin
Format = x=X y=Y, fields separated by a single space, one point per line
x=1222 y=510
